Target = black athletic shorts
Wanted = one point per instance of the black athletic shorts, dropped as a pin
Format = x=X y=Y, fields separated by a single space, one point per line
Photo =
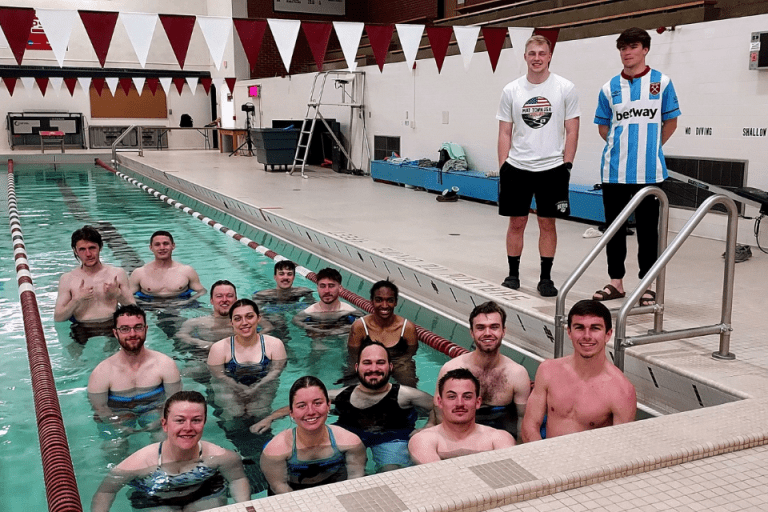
x=518 y=187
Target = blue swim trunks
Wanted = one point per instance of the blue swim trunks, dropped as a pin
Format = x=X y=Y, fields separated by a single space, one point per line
x=149 y=298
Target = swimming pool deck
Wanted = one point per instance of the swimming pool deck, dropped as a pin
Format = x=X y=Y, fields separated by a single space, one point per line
x=711 y=458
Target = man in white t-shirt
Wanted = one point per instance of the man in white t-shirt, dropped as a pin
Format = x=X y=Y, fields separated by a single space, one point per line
x=538 y=133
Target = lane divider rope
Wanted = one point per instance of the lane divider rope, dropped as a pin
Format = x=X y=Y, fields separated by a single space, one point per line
x=427 y=337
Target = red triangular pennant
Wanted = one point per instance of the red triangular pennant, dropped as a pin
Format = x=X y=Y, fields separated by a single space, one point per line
x=231 y=84
x=42 y=83
x=439 y=38
x=549 y=33
x=17 y=24
x=206 y=84
x=179 y=83
x=152 y=83
x=98 y=84
x=178 y=28
x=317 y=35
x=10 y=83
x=100 y=25
x=380 y=36
x=494 y=39
x=125 y=83
x=71 y=83
x=251 y=33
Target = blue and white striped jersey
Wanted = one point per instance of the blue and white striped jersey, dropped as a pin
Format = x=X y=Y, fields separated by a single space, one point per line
x=635 y=110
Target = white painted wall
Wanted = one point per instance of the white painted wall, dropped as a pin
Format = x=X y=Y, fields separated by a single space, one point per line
x=708 y=63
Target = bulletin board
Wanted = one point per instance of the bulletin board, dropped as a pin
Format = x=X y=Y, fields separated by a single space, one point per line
x=131 y=106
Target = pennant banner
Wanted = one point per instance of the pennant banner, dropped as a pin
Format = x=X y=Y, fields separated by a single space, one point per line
x=466 y=38
x=56 y=82
x=251 y=33
x=112 y=83
x=439 y=39
x=494 y=41
x=138 y=83
x=152 y=84
x=10 y=83
x=231 y=84
x=42 y=83
x=192 y=83
x=28 y=82
x=549 y=33
x=98 y=84
x=349 y=35
x=317 y=35
x=71 y=83
x=125 y=84
x=206 y=84
x=285 y=33
x=17 y=24
x=140 y=28
x=179 y=83
x=216 y=31
x=380 y=37
x=165 y=81
x=518 y=36
x=57 y=24
x=179 y=29
x=100 y=25
x=410 y=38
x=85 y=83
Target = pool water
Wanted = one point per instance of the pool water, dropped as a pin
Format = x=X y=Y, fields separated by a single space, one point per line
x=53 y=202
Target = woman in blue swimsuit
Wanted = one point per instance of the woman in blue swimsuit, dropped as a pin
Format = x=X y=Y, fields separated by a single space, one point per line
x=312 y=453
x=246 y=366
x=181 y=473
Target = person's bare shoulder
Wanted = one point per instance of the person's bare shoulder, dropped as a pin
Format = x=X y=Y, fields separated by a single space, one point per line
x=461 y=361
x=344 y=437
x=218 y=352
x=143 y=458
x=499 y=438
x=213 y=450
x=280 y=445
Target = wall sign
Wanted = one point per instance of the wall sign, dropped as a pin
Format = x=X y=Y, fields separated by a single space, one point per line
x=330 y=7
x=698 y=130
x=754 y=132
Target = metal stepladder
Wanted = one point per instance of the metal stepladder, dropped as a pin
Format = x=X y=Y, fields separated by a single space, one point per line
x=352 y=85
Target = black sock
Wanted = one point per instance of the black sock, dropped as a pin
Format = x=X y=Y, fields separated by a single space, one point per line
x=514 y=265
x=546 y=267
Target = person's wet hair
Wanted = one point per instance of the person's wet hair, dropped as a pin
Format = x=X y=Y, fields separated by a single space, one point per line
x=89 y=234
x=329 y=273
x=487 y=308
x=589 y=307
x=371 y=343
x=161 y=233
x=458 y=374
x=384 y=284
x=186 y=396
x=307 y=381
x=243 y=302
x=633 y=35
x=285 y=265
x=127 y=310
x=222 y=282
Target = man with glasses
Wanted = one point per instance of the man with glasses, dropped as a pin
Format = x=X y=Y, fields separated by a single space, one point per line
x=128 y=389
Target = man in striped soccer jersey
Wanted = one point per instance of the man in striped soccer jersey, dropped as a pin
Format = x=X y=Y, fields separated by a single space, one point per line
x=636 y=114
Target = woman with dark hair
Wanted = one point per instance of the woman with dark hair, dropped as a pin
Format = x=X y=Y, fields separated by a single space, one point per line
x=312 y=453
x=247 y=364
x=393 y=331
x=181 y=473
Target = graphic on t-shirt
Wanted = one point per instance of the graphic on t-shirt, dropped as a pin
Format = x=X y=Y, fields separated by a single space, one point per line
x=537 y=112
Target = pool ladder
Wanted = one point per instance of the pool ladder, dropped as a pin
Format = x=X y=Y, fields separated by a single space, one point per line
x=658 y=273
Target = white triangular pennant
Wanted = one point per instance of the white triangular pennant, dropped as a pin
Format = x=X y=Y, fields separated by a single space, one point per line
x=518 y=36
x=55 y=83
x=216 y=31
x=285 y=33
x=192 y=83
x=165 y=81
x=140 y=28
x=349 y=35
x=410 y=39
x=138 y=82
x=85 y=83
x=57 y=24
x=112 y=82
x=466 y=38
x=28 y=82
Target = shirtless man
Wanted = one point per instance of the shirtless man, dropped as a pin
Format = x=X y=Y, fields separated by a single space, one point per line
x=164 y=278
x=329 y=316
x=582 y=391
x=380 y=413
x=504 y=384
x=91 y=292
x=128 y=389
x=283 y=292
x=458 y=399
x=204 y=331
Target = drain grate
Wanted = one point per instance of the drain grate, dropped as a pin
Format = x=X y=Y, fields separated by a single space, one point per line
x=375 y=499
x=502 y=473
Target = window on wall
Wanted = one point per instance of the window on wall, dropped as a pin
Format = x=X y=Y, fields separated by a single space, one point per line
x=723 y=173
x=131 y=106
x=384 y=146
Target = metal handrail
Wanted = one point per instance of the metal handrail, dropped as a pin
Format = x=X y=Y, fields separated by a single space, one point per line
x=121 y=137
x=658 y=308
x=724 y=327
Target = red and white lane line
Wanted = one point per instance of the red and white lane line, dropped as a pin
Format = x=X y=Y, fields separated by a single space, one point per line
x=429 y=338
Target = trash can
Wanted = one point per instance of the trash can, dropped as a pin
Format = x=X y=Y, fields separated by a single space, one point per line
x=275 y=146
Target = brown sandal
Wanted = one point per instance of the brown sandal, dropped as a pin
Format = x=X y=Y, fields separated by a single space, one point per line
x=647 y=301
x=611 y=294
